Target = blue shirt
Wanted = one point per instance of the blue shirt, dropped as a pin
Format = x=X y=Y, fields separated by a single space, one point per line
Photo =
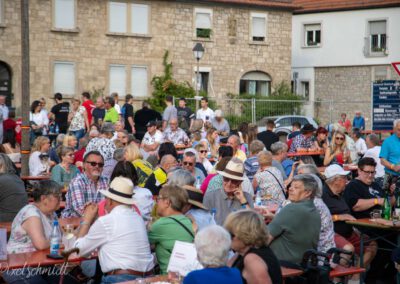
x=214 y=276
x=390 y=151
x=359 y=122
x=202 y=217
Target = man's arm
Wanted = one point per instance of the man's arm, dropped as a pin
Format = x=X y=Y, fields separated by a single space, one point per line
x=132 y=124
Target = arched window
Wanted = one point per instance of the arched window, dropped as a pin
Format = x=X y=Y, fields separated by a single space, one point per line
x=255 y=83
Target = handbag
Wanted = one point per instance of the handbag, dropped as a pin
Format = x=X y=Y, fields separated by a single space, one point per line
x=37 y=131
x=280 y=185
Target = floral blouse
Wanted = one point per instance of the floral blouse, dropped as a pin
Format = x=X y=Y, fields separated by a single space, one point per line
x=19 y=241
x=270 y=181
x=78 y=121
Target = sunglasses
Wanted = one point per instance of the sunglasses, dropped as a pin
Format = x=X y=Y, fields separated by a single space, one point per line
x=233 y=181
x=203 y=151
x=94 y=164
x=340 y=138
x=187 y=164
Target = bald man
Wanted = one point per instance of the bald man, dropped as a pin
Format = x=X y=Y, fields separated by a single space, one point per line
x=175 y=134
x=159 y=177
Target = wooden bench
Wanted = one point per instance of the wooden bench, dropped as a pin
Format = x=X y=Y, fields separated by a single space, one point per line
x=341 y=271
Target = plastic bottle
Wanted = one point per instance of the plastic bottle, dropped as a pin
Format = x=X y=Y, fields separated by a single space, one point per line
x=57 y=129
x=55 y=238
x=258 y=200
x=213 y=213
x=198 y=183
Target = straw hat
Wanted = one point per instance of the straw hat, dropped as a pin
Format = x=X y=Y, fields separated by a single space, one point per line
x=233 y=170
x=195 y=196
x=120 y=190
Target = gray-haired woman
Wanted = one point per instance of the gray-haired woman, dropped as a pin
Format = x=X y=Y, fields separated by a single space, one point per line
x=31 y=228
x=12 y=190
x=212 y=245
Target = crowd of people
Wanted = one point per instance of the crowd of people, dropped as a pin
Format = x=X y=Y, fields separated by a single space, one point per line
x=142 y=180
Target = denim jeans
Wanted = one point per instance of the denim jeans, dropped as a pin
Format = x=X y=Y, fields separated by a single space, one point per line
x=78 y=134
x=117 y=278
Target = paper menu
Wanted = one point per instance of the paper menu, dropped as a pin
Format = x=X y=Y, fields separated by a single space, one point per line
x=183 y=258
x=3 y=244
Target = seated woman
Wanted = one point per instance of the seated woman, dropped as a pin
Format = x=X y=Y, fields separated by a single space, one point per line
x=70 y=141
x=337 y=152
x=143 y=168
x=212 y=246
x=254 y=258
x=202 y=157
x=213 y=141
x=11 y=147
x=13 y=195
x=39 y=161
x=65 y=171
x=269 y=179
x=172 y=226
x=31 y=228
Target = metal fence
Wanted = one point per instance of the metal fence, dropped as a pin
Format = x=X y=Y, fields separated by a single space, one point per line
x=237 y=111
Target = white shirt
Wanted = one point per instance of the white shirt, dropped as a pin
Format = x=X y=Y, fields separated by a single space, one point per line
x=121 y=240
x=117 y=108
x=157 y=137
x=39 y=118
x=361 y=146
x=374 y=153
x=203 y=114
x=37 y=167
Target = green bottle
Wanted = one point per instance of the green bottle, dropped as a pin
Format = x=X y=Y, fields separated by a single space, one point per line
x=387 y=209
x=396 y=211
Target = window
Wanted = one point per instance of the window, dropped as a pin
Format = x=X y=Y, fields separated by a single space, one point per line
x=258 y=27
x=312 y=35
x=305 y=89
x=139 y=81
x=64 y=14
x=202 y=81
x=203 y=23
x=255 y=83
x=117 y=79
x=128 y=18
x=377 y=36
x=64 y=78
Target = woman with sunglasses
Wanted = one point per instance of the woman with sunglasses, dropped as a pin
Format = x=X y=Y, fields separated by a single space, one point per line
x=65 y=171
x=337 y=152
x=254 y=258
x=202 y=154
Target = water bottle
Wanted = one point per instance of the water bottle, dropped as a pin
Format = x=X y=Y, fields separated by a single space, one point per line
x=258 y=198
x=198 y=183
x=57 y=129
x=213 y=212
x=55 y=238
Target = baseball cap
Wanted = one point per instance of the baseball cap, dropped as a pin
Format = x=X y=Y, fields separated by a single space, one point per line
x=218 y=113
x=335 y=170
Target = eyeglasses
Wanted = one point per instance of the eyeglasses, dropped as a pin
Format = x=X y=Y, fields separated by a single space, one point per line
x=188 y=164
x=203 y=151
x=233 y=181
x=94 y=164
x=232 y=235
x=71 y=155
x=369 y=172
x=160 y=197
x=340 y=138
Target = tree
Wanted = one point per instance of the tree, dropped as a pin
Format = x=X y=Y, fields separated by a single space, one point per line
x=166 y=85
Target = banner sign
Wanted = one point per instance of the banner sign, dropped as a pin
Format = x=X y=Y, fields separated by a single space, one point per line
x=385 y=104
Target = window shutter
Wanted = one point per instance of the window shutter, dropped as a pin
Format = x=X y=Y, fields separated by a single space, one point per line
x=258 y=27
x=118 y=79
x=139 y=81
x=203 y=21
x=140 y=18
x=377 y=27
x=64 y=14
x=64 y=78
x=117 y=18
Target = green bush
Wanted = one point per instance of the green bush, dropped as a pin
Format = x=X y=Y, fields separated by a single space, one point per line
x=166 y=85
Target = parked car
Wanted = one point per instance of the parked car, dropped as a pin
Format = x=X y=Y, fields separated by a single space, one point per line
x=283 y=123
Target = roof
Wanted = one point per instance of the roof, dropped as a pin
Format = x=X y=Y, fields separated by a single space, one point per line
x=273 y=4
x=315 y=6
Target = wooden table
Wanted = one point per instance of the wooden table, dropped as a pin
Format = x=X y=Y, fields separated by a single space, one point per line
x=286 y=273
x=28 y=178
x=346 y=167
x=75 y=221
x=377 y=224
x=35 y=259
x=306 y=153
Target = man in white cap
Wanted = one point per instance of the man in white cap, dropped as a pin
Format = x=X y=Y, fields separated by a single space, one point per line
x=232 y=197
x=120 y=236
x=345 y=236
x=220 y=124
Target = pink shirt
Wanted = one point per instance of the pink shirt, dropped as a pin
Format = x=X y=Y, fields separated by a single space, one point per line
x=205 y=183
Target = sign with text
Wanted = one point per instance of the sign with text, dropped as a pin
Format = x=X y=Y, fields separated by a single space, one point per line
x=183 y=258
x=385 y=104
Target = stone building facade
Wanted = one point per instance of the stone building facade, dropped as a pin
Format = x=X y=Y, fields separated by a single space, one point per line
x=90 y=54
